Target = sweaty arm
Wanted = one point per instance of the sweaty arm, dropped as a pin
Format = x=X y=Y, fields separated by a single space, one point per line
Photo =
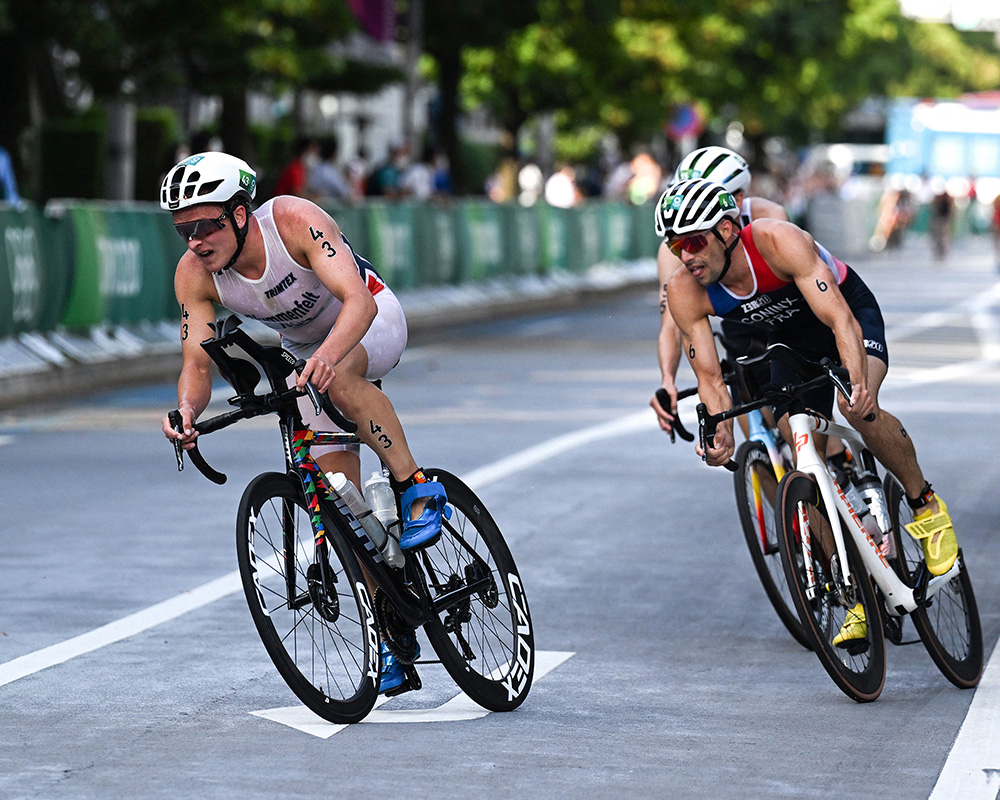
x=668 y=342
x=791 y=253
x=196 y=294
x=314 y=240
x=691 y=308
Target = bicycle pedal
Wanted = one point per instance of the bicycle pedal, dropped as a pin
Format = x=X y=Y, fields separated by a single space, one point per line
x=855 y=647
x=411 y=684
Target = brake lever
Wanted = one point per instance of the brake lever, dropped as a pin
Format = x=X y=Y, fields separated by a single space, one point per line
x=843 y=386
x=663 y=398
x=706 y=438
x=311 y=390
x=177 y=423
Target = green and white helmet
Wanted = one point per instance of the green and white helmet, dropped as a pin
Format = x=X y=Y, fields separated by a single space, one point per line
x=715 y=164
x=208 y=178
x=692 y=206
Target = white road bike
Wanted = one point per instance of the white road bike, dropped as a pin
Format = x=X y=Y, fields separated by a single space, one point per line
x=831 y=559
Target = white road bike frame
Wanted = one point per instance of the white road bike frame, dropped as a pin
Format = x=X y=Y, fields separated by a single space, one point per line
x=899 y=598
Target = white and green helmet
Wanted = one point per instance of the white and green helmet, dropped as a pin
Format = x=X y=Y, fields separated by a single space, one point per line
x=692 y=206
x=717 y=164
x=208 y=178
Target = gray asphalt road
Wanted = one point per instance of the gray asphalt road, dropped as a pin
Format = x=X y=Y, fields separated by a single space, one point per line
x=129 y=666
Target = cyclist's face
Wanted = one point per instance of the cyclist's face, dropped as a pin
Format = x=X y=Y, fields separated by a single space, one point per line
x=208 y=235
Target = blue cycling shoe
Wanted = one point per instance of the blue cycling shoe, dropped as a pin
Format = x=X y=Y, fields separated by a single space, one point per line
x=425 y=529
x=392 y=676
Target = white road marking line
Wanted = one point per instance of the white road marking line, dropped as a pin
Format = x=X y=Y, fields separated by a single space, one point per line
x=972 y=769
x=214 y=590
x=459 y=708
x=6 y=439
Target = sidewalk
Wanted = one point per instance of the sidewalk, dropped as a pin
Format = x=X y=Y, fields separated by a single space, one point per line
x=35 y=366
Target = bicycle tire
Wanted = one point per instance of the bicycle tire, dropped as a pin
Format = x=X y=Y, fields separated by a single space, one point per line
x=326 y=647
x=756 y=485
x=485 y=642
x=948 y=623
x=860 y=675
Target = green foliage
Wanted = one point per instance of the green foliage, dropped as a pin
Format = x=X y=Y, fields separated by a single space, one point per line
x=72 y=156
x=157 y=136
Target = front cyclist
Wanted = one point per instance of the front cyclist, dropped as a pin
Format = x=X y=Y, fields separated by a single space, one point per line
x=288 y=265
x=770 y=274
x=732 y=171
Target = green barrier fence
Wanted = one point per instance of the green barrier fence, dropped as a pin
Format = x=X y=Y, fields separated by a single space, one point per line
x=83 y=264
x=34 y=271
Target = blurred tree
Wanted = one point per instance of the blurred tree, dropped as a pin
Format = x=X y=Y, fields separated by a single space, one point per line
x=783 y=67
x=50 y=49
x=452 y=26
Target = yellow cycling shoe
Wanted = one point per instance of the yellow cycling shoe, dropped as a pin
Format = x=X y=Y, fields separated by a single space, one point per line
x=936 y=535
x=855 y=627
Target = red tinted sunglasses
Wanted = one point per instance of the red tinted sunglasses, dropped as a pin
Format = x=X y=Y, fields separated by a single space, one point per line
x=692 y=244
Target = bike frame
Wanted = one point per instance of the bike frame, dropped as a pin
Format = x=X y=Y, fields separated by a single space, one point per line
x=900 y=599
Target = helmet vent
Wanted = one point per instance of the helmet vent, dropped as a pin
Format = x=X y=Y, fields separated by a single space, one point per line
x=208 y=188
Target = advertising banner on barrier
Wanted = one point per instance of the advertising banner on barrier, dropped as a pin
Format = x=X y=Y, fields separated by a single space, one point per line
x=480 y=240
x=523 y=246
x=34 y=271
x=554 y=224
x=390 y=243
x=435 y=231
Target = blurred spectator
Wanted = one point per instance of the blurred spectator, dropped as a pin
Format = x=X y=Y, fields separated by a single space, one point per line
x=501 y=186
x=645 y=181
x=442 y=176
x=996 y=228
x=942 y=208
x=895 y=213
x=531 y=184
x=417 y=180
x=560 y=188
x=384 y=180
x=326 y=181
x=8 y=183
x=618 y=179
x=357 y=174
x=292 y=179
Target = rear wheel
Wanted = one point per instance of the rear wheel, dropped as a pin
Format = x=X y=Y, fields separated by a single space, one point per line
x=314 y=614
x=481 y=629
x=948 y=623
x=824 y=590
x=756 y=486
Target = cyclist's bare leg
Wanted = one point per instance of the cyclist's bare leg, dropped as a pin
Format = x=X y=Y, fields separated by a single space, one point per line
x=888 y=440
x=371 y=409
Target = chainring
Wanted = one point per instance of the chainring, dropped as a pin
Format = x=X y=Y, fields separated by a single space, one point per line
x=400 y=638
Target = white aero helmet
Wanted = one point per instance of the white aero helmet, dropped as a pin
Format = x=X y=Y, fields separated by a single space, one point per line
x=692 y=206
x=208 y=178
x=716 y=164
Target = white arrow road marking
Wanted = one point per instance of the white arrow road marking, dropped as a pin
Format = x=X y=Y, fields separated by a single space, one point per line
x=458 y=708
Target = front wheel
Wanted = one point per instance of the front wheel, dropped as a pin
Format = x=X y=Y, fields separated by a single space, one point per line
x=756 y=486
x=481 y=628
x=825 y=591
x=310 y=605
x=948 y=622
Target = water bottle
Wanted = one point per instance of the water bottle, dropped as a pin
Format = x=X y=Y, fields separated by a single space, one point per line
x=871 y=489
x=857 y=502
x=348 y=492
x=382 y=501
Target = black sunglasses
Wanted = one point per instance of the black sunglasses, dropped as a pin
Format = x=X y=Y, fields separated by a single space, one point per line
x=200 y=228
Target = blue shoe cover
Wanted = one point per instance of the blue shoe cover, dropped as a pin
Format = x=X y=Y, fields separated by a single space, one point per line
x=426 y=528
x=392 y=671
